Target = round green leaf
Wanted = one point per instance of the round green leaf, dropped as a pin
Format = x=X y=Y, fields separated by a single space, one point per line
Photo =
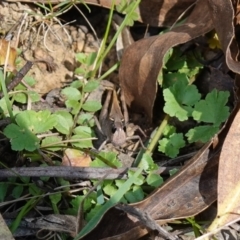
x=71 y=93
x=91 y=85
x=92 y=106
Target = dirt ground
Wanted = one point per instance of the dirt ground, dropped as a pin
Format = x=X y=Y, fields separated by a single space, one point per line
x=50 y=43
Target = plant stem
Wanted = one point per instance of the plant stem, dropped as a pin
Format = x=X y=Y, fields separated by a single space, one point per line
x=114 y=39
x=26 y=208
x=109 y=71
x=151 y=143
x=101 y=54
x=6 y=97
x=157 y=135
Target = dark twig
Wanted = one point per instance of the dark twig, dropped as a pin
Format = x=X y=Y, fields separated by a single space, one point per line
x=19 y=76
x=72 y=172
x=147 y=220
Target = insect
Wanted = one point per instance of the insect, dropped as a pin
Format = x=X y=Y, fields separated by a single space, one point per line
x=114 y=119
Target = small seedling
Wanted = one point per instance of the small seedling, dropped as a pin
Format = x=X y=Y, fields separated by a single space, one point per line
x=183 y=101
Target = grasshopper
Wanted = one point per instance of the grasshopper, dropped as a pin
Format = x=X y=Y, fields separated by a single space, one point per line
x=113 y=122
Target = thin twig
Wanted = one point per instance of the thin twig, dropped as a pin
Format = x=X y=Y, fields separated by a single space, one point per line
x=19 y=76
x=72 y=172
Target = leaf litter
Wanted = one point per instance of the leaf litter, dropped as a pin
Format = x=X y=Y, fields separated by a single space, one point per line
x=195 y=185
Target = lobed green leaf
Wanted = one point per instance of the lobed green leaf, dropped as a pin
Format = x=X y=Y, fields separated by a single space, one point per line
x=170 y=146
x=213 y=109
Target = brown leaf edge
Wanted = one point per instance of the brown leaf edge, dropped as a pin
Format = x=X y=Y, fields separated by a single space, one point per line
x=185 y=194
x=143 y=60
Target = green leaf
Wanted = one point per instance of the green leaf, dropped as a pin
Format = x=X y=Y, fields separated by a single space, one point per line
x=20 y=97
x=93 y=211
x=21 y=138
x=169 y=79
x=3 y=191
x=80 y=71
x=34 y=190
x=77 y=84
x=30 y=80
x=213 y=109
x=25 y=179
x=106 y=159
x=147 y=163
x=110 y=189
x=192 y=61
x=81 y=57
x=92 y=106
x=173 y=171
x=83 y=131
x=154 y=180
x=73 y=105
x=52 y=140
x=139 y=180
x=119 y=182
x=91 y=85
x=64 y=121
x=64 y=183
x=201 y=133
x=87 y=205
x=134 y=17
x=176 y=61
x=86 y=119
x=179 y=98
x=35 y=97
x=134 y=195
x=12 y=179
x=169 y=130
x=100 y=196
x=55 y=198
x=128 y=8
x=17 y=191
x=37 y=122
x=85 y=134
x=71 y=93
x=122 y=6
x=91 y=58
x=3 y=107
x=170 y=146
x=82 y=142
x=138 y=193
x=167 y=56
x=109 y=204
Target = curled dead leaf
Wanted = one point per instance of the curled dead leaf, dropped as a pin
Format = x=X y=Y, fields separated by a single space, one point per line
x=228 y=172
x=152 y=12
x=185 y=194
x=76 y=158
x=3 y=55
x=143 y=60
x=222 y=15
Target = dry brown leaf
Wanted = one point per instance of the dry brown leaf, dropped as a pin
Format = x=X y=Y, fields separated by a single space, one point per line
x=185 y=194
x=155 y=13
x=4 y=231
x=223 y=14
x=228 y=177
x=143 y=60
x=3 y=55
x=43 y=225
x=188 y=192
x=76 y=158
